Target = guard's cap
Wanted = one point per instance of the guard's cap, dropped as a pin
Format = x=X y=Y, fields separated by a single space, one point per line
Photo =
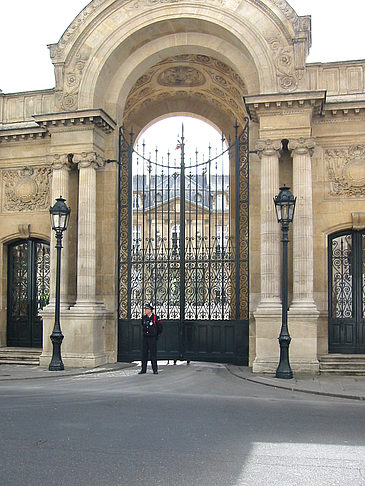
x=148 y=306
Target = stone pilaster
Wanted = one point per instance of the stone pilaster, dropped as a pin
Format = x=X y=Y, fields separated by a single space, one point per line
x=303 y=314
x=268 y=313
x=86 y=250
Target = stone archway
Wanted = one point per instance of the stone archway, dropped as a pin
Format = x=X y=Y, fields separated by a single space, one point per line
x=111 y=44
x=130 y=62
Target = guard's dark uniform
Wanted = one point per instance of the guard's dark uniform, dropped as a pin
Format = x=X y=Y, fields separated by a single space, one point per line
x=149 y=342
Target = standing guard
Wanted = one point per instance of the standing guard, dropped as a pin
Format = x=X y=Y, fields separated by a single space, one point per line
x=151 y=329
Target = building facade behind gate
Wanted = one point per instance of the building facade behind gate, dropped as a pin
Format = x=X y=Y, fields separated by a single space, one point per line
x=126 y=64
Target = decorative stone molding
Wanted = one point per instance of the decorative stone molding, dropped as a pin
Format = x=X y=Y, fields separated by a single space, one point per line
x=21 y=131
x=358 y=221
x=152 y=3
x=267 y=147
x=302 y=146
x=24 y=230
x=26 y=189
x=207 y=79
x=98 y=118
x=291 y=102
x=57 y=50
x=67 y=99
x=60 y=162
x=285 y=66
x=346 y=171
x=88 y=159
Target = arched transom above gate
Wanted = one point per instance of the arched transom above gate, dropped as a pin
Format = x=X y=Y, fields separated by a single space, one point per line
x=192 y=83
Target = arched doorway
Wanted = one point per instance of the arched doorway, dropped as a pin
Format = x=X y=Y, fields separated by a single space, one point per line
x=346 y=292
x=184 y=248
x=28 y=291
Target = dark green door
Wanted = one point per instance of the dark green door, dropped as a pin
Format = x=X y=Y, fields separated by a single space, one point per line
x=347 y=292
x=28 y=292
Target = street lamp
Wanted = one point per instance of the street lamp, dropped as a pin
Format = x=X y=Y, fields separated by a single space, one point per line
x=60 y=215
x=284 y=206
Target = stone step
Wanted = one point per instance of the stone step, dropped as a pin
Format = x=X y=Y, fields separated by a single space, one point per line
x=25 y=356
x=338 y=371
x=353 y=364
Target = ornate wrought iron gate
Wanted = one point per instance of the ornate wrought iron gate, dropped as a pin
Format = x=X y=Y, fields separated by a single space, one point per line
x=184 y=247
x=346 y=292
x=28 y=291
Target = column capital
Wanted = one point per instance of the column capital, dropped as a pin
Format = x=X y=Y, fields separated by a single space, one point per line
x=59 y=162
x=302 y=146
x=88 y=159
x=268 y=147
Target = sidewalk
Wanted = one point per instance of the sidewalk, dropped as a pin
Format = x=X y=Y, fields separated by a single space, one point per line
x=341 y=386
x=28 y=372
x=351 y=387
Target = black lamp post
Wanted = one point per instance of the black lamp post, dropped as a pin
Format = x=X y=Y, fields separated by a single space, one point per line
x=284 y=206
x=60 y=215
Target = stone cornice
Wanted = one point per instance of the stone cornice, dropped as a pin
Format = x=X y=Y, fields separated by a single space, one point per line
x=23 y=131
x=339 y=106
x=280 y=102
x=77 y=118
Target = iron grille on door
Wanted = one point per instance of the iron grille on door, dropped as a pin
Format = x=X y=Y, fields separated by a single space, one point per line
x=184 y=220
x=347 y=292
x=28 y=291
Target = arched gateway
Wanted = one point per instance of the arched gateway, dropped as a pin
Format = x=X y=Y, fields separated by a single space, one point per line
x=123 y=64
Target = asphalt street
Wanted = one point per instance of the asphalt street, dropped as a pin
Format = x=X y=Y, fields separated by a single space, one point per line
x=189 y=425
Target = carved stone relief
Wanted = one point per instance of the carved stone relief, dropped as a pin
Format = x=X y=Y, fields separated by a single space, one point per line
x=26 y=189
x=181 y=76
x=285 y=67
x=68 y=98
x=189 y=75
x=346 y=171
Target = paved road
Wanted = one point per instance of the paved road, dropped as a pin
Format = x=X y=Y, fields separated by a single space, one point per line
x=189 y=425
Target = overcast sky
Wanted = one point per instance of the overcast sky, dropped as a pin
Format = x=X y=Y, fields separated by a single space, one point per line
x=26 y=27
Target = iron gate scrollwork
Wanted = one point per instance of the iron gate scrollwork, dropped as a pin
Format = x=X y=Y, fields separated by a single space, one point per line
x=183 y=245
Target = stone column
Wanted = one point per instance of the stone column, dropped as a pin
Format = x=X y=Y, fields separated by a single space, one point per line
x=268 y=313
x=303 y=313
x=86 y=249
x=268 y=151
x=302 y=151
x=61 y=167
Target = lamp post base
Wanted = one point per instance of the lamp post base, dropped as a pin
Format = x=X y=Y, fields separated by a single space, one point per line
x=56 y=363
x=284 y=371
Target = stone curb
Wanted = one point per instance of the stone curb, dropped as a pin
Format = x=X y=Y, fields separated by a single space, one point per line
x=62 y=374
x=294 y=388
